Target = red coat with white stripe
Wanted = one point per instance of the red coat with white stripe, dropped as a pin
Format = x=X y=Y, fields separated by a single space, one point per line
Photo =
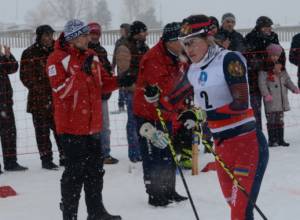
x=76 y=95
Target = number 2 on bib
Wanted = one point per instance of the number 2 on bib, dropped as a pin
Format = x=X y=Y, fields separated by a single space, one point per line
x=204 y=95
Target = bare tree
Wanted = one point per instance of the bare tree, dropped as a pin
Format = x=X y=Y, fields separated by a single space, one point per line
x=133 y=8
x=58 y=12
x=102 y=14
x=149 y=18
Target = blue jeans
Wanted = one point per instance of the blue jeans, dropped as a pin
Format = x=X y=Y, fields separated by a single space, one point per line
x=105 y=133
x=121 y=98
x=131 y=128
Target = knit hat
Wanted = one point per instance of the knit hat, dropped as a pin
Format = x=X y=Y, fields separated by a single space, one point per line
x=195 y=25
x=74 y=28
x=214 y=22
x=228 y=16
x=126 y=26
x=274 y=49
x=137 y=27
x=171 y=31
x=264 y=21
x=95 y=28
x=43 y=29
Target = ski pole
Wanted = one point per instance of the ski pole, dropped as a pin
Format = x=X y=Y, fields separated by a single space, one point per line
x=171 y=147
x=233 y=178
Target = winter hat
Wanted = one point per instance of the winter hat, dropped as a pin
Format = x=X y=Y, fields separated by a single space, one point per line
x=126 y=26
x=264 y=21
x=228 y=16
x=274 y=49
x=195 y=25
x=137 y=27
x=171 y=31
x=74 y=28
x=95 y=28
x=43 y=29
x=214 y=22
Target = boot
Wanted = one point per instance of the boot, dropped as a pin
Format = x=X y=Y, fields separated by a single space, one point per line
x=66 y=214
x=281 y=140
x=106 y=216
x=174 y=196
x=14 y=166
x=102 y=214
x=272 y=134
x=160 y=200
x=49 y=165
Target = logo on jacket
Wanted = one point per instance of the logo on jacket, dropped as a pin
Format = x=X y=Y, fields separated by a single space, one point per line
x=236 y=69
x=202 y=78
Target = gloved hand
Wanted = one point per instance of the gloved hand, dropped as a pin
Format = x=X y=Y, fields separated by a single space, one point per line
x=152 y=93
x=87 y=65
x=158 y=138
x=268 y=98
x=126 y=79
x=191 y=118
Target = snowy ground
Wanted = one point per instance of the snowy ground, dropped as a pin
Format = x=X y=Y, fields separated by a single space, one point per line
x=124 y=194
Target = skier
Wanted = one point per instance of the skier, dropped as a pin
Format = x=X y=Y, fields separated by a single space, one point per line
x=219 y=81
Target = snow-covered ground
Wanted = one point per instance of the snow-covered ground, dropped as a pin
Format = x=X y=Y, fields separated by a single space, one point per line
x=39 y=190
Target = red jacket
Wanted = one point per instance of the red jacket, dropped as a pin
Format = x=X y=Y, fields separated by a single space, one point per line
x=76 y=95
x=160 y=68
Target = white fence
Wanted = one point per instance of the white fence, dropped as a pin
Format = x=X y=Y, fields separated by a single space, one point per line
x=24 y=38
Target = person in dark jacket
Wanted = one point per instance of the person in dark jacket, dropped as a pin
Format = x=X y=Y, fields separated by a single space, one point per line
x=8 y=133
x=95 y=35
x=237 y=42
x=160 y=66
x=78 y=80
x=124 y=32
x=294 y=56
x=39 y=103
x=128 y=57
x=257 y=41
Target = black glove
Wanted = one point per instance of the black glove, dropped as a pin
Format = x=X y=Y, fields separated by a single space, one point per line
x=191 y=118
x=152 y=93
x=126 y=79
x=87 y=65
x=183 y=139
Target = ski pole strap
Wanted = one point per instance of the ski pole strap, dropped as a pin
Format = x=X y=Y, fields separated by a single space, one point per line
x=165 y=129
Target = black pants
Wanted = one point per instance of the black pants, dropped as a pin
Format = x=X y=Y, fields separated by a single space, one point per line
x=158 y=165
x=83 y=168
x=8 y=134
x=43 y=123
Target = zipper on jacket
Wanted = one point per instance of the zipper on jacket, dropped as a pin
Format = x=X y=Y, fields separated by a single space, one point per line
x=281 y=93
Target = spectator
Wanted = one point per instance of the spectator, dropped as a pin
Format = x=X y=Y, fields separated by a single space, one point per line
x=214 y=27
x=39 y=102
x=124 y=31
x=257 y=41
x=95 y=35
x=8 y=133
x=222 y=38
x=128 y=57
x=77 y=80
x=274 y=82
x=161 y=66
x=237 y=42
x=295 y=54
